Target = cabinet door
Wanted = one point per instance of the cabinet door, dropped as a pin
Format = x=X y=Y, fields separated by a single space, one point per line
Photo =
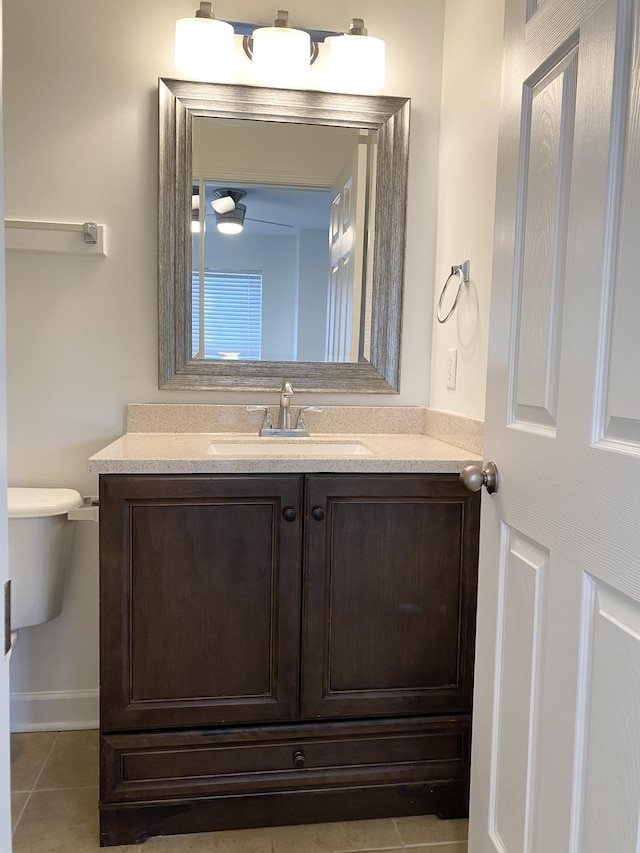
x=200 y=600
x=389 y=595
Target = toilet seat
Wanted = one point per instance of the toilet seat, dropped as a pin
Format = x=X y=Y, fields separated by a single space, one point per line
x=36 y=503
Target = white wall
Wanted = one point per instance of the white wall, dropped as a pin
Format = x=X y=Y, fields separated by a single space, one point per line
x=80 y=109
x=312 y=295
x=466 y=196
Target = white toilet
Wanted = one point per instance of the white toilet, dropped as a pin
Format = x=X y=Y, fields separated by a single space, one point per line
x=39 y=549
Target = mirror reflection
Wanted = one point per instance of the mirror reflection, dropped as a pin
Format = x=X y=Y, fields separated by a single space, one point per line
x=281 y=222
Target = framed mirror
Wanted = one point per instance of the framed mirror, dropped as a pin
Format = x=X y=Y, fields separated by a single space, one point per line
x=314 y=186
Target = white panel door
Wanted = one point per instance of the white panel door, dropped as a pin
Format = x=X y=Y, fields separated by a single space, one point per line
x=556 y=736
x=346 y=242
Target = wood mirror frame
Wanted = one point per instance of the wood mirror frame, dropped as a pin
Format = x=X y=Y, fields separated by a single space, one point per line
x=179 y=102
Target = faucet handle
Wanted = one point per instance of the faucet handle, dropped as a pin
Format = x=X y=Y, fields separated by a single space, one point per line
x=300 y=423
x=267 y=423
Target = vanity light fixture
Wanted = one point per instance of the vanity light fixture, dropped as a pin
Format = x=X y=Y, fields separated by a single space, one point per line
x=204 y=46
x=229 y=212
x=281 y=55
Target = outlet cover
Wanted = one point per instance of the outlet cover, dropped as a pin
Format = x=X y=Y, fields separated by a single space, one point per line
x=452 y=368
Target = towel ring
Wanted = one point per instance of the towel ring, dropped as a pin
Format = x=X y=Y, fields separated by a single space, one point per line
x=462 y=271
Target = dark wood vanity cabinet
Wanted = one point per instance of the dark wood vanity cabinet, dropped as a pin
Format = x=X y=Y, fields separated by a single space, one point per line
x=283 y=649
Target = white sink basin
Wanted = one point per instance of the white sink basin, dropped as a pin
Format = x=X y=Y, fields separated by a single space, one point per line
x=291 y=448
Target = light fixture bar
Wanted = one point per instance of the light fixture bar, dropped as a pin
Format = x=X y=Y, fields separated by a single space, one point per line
x=242 y=28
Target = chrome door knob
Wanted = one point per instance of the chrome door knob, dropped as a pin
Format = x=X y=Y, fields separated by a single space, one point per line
x=475 y=478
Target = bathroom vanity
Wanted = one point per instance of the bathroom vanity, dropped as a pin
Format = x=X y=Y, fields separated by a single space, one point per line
x=283 y=646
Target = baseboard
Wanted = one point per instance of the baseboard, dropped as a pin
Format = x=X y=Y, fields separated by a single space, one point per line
x=55 y=710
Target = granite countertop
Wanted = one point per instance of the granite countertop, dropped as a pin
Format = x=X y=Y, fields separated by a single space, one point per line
x=191 y=453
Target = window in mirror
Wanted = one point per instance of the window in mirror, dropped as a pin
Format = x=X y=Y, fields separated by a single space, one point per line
x=226 y=314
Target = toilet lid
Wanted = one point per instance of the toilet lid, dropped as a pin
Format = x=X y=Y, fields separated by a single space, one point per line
x=34 y=503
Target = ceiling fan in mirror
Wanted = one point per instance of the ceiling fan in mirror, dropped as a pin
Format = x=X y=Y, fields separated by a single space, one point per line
x=226 y=204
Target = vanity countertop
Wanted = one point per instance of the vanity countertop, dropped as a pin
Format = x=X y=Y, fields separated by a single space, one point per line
x=195 y=453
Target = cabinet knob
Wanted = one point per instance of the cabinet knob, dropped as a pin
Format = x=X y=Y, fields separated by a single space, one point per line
x=317 y=513
x=289 y=513
x=298 y=760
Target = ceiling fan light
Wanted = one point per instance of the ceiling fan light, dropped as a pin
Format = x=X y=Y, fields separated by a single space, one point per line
x=356 y=61
x=204 y=46
x=232 y=222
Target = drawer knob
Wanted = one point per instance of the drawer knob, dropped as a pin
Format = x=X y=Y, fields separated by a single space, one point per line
x=317 y=513
x=298 y=760
x=289 y=514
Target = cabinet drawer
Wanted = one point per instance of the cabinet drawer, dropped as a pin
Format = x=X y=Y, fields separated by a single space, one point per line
x=283 y=758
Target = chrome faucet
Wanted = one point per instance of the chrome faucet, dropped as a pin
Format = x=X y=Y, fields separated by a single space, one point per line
x=285 y=427
x=284 y=415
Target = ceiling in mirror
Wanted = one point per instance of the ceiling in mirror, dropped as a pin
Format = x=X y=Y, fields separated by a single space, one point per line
x=310 y=284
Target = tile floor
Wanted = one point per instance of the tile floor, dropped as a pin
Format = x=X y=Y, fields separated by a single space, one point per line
x=54 y=781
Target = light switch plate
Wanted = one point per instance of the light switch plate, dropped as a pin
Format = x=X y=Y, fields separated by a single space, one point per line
x=452 y=368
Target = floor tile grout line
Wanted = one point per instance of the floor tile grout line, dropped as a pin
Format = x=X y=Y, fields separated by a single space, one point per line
x=30 y=794
x=368 y=849
x=398 y=833
x=95 y=787
x=44 y=763
x=22 y=810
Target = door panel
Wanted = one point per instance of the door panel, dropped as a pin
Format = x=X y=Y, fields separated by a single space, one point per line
x=620 y=355
x=609 y=728
x=200 y=591
x=389 y=596
x=524 y=565
x=563 y=403
x=547 y=134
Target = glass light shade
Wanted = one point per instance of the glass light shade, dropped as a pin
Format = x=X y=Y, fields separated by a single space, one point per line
x=204 y=49
x=356 y=63
x=224 y=204
x=281 y=56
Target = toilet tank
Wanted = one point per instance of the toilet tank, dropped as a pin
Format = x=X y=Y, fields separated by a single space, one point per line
x=39 y=549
